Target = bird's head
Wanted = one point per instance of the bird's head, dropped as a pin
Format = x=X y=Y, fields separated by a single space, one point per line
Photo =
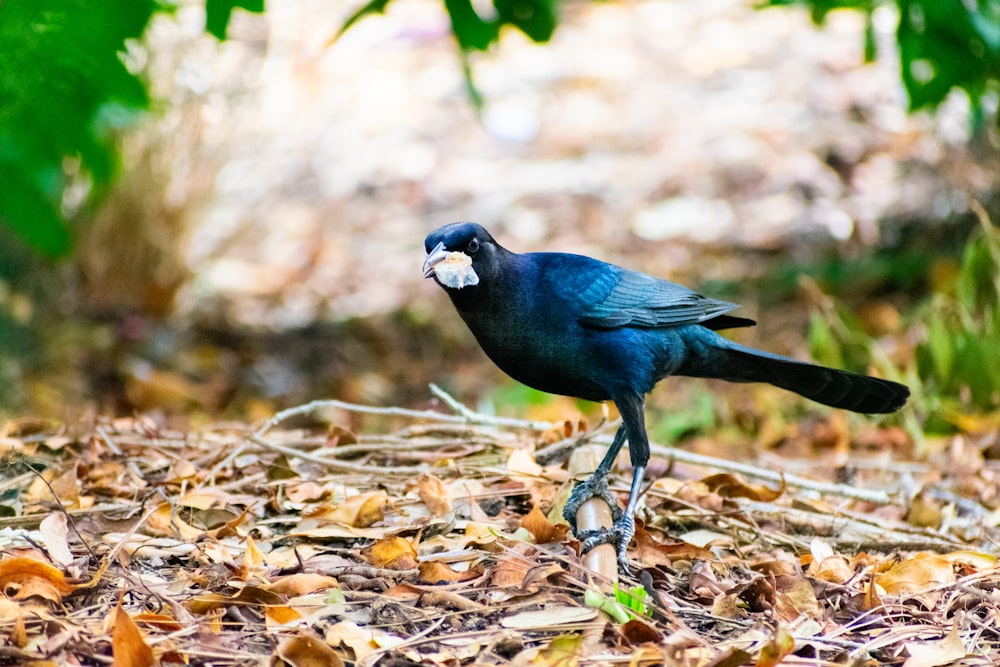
x=459 y=255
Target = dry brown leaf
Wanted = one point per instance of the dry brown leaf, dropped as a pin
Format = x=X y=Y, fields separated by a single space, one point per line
x=302 y=583
x=651 y=552
x=563 y=651
x=55 y=532
x=307 y=650
x=164 y=521
x=776 y=649
x=937 y=653
x=434 y=494
x=436 y=572
x=522 y=462
x=393 y=553
x=549 y=616
x=350 y=634
x=798 y=599
x=542 y=529
x=636 y=631
x=915 y=575
x=360 y=511
x=158 y=621
x=253 y=558
x=128 y=647
x=306 y=492
x=512 y=568
x=834 y=569
x=729 y=485
x=22 y=578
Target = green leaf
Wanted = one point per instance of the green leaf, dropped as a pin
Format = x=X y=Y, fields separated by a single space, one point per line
x=32 y=214
x=218 y=13
x=61 y=77
x=472 y=31
x=535 y=18
x=373 y=7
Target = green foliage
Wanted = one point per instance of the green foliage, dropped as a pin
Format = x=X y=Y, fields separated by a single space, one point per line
x=943 y=44
x=218 y=13
x=626 y=605
x=958 y=358
x=475 y=31
x=65 y=91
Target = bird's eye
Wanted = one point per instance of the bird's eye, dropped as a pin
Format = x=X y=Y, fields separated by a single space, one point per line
x=473 y=246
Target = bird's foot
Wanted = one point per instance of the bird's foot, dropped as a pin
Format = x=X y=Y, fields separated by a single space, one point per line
x=619 y=534
x=595 y=486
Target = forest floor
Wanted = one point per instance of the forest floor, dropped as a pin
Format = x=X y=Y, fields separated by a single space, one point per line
x=339 y=534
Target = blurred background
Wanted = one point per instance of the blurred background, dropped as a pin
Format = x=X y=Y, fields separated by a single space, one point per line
x=215 y=209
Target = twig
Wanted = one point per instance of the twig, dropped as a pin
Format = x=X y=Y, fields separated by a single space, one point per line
x=479 y=418
x=341 y=466
x=842 y=490
x=465 y=416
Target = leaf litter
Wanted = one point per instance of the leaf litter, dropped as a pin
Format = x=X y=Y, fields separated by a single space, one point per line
x=435 y=538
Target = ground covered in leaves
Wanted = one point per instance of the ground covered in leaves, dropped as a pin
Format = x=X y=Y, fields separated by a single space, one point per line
x=337 y=534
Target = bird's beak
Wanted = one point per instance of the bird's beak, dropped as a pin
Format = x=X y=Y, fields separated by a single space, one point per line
x=434 y=257
x=452 y=269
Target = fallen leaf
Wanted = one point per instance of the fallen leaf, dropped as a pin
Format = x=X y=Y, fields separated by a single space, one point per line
x=637 y=632
x=307 y=650
x=434 y=494
x=915 y=575
x=128 y=647
x=542 y=529
x=350 y=634
x=776 y=649
x=561 y=652
x=522 y=462
x=302 y=583
x=55 y=531
x=360 y=511
x=436 y=572
x=729 y=485
x=934 y=654
x=22 y=578
x=547 y=617
x=651 y=552
x=393 y=553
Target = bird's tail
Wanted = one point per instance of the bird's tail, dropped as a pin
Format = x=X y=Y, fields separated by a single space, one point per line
x=829 y=386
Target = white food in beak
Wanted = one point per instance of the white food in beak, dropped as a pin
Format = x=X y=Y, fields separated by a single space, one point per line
x=452 y=269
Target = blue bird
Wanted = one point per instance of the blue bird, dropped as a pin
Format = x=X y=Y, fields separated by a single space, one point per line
x=573 y=325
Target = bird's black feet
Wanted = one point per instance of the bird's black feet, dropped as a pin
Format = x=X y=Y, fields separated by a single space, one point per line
x=619 y=534
x=595 y=486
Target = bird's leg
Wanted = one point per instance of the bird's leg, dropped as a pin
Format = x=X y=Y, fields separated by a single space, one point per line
x=596 y=486
x=623 y=529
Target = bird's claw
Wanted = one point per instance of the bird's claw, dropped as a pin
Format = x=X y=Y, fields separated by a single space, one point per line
x=620 y=534
x=595 y=486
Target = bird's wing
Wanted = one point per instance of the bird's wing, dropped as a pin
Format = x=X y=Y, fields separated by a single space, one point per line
x=621 y=298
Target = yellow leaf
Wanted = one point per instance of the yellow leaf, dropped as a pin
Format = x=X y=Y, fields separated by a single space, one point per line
x=562 y=652
x=394 y=553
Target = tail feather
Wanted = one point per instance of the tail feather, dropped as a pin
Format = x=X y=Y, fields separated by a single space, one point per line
x=829 y=386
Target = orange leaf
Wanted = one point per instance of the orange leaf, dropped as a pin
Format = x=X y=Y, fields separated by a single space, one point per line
x=393 y=553
x=542 y=529
x=728 y=485
x=301 y=584
x=22 y=577
x=436 y=572
x=127 y=644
